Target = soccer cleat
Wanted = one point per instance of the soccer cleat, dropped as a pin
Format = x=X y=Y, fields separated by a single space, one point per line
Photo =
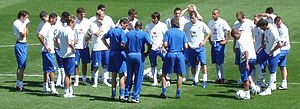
x=54 y=92
x=95 y=85
x=255 y=90
x=155 y=84
x=268 y=91
x=135 y=100
x=195 y=83
x=262 y=84
x=220 y=81
x=20 y=89
x=178 y=96
x=105 y=81
x=75 y=84
x=204 y=84
x=282 y=87
x=69 y=95
x=123 y=98
x=273 y=87
x=163 y=96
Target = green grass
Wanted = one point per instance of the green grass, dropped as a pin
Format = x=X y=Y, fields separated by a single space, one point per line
x=215 y=96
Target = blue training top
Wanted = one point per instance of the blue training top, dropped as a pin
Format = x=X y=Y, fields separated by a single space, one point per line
x=115 y=36
x=175 y=40
x=135 y=41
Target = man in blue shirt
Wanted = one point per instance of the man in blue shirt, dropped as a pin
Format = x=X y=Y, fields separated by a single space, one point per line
x=117 y=56
x=174 y=42
x=134 y=42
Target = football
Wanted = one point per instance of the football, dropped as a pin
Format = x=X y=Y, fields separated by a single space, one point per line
x=240 y=94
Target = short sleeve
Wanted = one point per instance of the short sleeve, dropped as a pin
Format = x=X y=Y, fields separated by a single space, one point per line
x=226 y=27
x=44 y=30
x=148 y=39
x=165 y=39
x=185 y=39
x=124 y=38
x=206 y=29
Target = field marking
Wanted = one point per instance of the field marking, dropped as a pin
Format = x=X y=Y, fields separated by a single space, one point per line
x=35 y=44
x=37 y=75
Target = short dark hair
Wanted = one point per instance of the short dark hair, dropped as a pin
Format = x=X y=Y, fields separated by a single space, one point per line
x=43 y=14
x=65 y=14
x=193 y=13
x=277 y=19
x=269 y=10
x=262 y=22
x=80 y=10
x=132 y=11
x=100 y=6
x=175 y=23
x=52 y=15
x=240 y=13
x=123 y=20
x=216 y=9
x=22 y=13
x=138 y=24
x=155 y=15
x=177 y=9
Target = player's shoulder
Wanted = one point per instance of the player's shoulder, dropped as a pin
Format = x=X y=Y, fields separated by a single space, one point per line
x=17 y=22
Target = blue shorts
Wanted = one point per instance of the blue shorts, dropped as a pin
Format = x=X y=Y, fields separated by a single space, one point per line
x=174 y=62
x=48 y=62
x=58 y=59
x=21 y=54
x=217 y=53
x=245 y=73
x=84 y=54
x=69 y=65
x=282 y=58
x=117 y=62
x=237 y=56
x=100 y=58
x=262 y=56
x=153 y=57
x=196 y=55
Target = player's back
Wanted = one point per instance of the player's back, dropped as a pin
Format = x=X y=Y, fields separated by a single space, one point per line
x=175 y=39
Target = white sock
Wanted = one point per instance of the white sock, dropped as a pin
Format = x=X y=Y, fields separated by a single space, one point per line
x=76 y=78
x=96 y=79
x=84 y=78
x=284 y=82
x=67 y=91
x=154 y=73
x=247 y=93
x=59 y=76
x=196 y=76
x=272 y=79
x=63 y=76
x=204 y=77
x=71 y=90
x=105 y=73
x=218 y=71
x=52 y=85
x=221 y=66
x=252 y=85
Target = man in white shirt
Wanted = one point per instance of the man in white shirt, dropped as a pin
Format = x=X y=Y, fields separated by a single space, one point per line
x=259 y=68
x=156 y=30
x=20 y=29
x=247 y=59
x=270 y=52
x=46 y=38
x=60 y=69
x=100 y=53
x=195 y=31
x=218 y=39
x=284 y=35
x=82 y=36
x=190 y=8
x=66 y=35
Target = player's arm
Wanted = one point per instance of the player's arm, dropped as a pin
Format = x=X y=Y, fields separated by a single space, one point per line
x=183 y=11
x=42 y=41
x=56 y=44
x=229 y=36
x=234 y=44
x=278 y=45
x=246 y=54
x=104 y=41
x=71 y=45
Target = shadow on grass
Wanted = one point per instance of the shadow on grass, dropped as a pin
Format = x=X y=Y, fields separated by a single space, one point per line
x=101 y=98
x=29 y=83
x=154 y=96
x=219 y=96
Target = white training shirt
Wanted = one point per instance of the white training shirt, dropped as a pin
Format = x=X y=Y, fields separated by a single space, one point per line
x=272 y=37
x=156 y=32
x=47 y=32
x=82 y=27
x=257 y=32
x=246 y=44
x=218 y=29
x=195 y=33
x=41 y=24
x=284 y=36
x=106 y=24
x=245 y=27
x=65 y=34
x=182 y=21
x=19 y=27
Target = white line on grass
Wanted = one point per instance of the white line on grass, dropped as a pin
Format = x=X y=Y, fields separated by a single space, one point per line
x=37 y=75
x=7 y=46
